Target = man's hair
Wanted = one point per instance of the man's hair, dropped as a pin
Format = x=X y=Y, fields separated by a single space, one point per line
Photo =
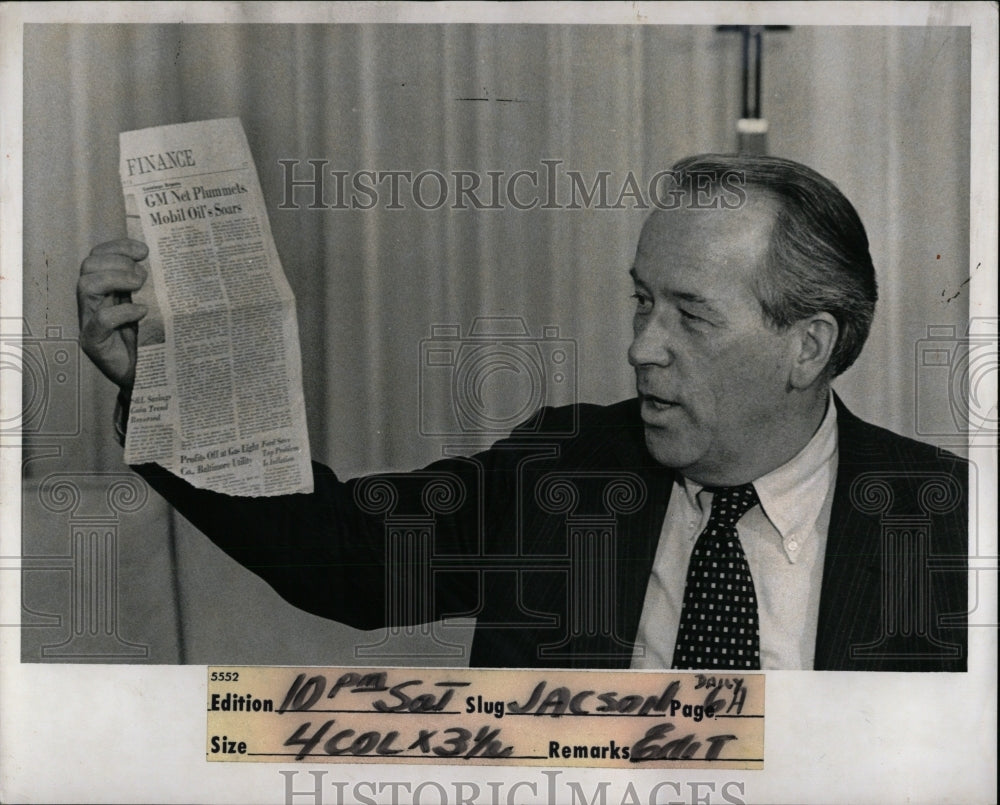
x=818 y=259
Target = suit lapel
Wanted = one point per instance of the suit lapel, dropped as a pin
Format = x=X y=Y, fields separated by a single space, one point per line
x=620 y=449
x=639 y=532
x=850 y=597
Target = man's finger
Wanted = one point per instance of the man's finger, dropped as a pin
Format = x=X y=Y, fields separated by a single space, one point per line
x=133 y=249
x=111 y=318
x=102 y=283
x=95 y=263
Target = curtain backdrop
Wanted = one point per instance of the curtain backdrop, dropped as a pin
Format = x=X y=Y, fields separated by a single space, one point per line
x=883 y=112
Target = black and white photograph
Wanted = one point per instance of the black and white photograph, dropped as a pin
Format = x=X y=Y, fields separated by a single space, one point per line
x=592 y=337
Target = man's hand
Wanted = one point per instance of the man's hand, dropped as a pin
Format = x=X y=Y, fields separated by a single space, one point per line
x=108 y=316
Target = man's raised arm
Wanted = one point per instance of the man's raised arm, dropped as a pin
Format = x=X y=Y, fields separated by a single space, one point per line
x=322 y=552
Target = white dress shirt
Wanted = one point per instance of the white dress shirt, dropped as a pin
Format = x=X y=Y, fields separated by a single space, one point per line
x=784 y=540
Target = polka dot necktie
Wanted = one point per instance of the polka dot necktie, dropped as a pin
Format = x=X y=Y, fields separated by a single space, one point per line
x=719 y=627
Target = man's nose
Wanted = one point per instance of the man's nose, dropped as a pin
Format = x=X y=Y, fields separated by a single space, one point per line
x=650 y=345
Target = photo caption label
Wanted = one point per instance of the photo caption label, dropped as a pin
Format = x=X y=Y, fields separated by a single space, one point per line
x=489 y=717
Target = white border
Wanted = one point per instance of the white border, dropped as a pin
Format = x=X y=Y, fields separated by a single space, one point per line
x=72 y=733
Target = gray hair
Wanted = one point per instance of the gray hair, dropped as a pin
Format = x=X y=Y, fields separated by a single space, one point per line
x=818 y=259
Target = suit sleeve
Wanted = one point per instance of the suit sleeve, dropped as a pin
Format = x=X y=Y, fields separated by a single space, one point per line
x=326 y=552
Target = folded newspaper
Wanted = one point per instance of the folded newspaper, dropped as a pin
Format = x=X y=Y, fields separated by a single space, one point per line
x=218 y=390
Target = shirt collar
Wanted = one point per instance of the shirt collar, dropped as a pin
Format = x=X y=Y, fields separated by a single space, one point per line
x=792 y=496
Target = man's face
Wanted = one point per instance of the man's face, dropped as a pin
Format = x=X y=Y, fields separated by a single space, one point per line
x=711 y=373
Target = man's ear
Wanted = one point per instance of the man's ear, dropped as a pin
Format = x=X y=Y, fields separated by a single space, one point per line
x=815 y=338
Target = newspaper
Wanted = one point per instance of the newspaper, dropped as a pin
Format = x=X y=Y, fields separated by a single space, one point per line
x=218 y=390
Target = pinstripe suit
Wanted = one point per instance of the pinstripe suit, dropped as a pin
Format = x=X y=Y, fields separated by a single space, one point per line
x=548 y=538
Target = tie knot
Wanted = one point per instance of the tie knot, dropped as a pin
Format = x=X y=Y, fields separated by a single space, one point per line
x=730 y=503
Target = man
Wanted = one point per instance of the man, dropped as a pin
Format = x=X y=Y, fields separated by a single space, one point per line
x=733 y=515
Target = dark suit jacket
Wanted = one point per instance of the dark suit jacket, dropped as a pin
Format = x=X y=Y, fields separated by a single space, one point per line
x=548 y=539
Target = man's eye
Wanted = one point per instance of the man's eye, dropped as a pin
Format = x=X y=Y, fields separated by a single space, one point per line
x=642 y=302
x=690 y=317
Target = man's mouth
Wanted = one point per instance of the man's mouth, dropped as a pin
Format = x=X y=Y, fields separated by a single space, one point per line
x=651 y=402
